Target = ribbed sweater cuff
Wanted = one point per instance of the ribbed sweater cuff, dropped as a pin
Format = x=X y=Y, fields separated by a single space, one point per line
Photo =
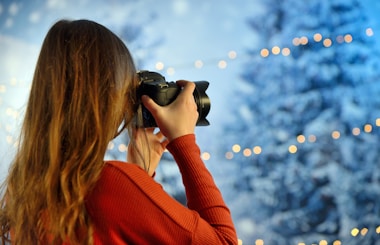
x=184 y=149
x=183 y=144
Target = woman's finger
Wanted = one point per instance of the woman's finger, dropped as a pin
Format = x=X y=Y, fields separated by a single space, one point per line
x=164 y=143
x=160 y=135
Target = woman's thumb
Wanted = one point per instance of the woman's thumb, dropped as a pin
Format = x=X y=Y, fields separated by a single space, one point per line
x=149 y=104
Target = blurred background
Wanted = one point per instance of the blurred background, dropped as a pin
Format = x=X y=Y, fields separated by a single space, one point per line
x=295 y=102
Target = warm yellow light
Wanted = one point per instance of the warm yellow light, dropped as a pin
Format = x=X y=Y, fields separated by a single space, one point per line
x=337 y=242
x=323 y=242
x=16 y=144
x=170 y=71
x=327 y=42
x=206 y=156
x=348 y=38
x=285 y=51
x=14 y=81
x=236 y=148
x=356 y=131
x=301 y=138
x=296 y=41
x=292 y=149
x=312 y=138
x=12 y=112
x=247 y=152
x=198 y=64
x=317 y=37
x=123 y=148
x=259 y=242
x=9 y=111
x=301 y=243
x=229 y=155
x=276 y=50
x=354 y=232
x=222 y=64
x=160 y=65
x=9 y=139
x=368 y=128
x=378 y=122
x=3 y=89
x=8 y=128
x=257 y=150
x=232 y=54
x=335 y=135
x=110 y=146
x=340 y=39
x=264 y=52
x=369 y=32
x=378 y=229
x=304 y=40
x=364 y=231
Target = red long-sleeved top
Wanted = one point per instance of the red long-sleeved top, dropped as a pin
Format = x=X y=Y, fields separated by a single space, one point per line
x=128 y=207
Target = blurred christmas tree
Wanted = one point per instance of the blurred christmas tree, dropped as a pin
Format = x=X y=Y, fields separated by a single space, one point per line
x=310 y=100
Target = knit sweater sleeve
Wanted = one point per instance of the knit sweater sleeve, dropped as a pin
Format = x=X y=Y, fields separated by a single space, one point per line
x=202 y=194
x=127 y=206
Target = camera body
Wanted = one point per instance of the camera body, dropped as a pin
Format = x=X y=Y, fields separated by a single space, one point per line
x=163 y=93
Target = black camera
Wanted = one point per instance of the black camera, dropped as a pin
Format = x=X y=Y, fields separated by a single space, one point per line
x=163 y=93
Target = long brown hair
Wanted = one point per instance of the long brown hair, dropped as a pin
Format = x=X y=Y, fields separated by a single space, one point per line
x=83 y=89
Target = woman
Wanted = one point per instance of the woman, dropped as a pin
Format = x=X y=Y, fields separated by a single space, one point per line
x=61 y=191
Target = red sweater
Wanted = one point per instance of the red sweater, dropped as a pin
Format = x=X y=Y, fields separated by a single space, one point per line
x=128 y=207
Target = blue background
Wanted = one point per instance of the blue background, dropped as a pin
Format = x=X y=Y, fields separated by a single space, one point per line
x=321 y=190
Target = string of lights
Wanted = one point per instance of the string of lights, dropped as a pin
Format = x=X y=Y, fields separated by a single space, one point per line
x=257 y=150
x=355 y=233
x=232 y=55
x=301 y=139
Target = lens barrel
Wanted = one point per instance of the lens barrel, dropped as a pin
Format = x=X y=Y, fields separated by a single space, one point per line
x=203 y=102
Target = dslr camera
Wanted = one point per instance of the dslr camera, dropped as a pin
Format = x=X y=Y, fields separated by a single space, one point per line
x=163 y=93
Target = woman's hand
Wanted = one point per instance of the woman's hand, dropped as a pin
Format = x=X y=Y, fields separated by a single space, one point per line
x=179 y=117
x=146 y=148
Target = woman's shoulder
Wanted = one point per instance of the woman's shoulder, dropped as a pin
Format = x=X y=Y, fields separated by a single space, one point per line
x=121 y=165
x=126 y=169
x=120 y=179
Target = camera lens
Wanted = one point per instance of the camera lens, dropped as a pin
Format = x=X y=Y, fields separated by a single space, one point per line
x=202 y=101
